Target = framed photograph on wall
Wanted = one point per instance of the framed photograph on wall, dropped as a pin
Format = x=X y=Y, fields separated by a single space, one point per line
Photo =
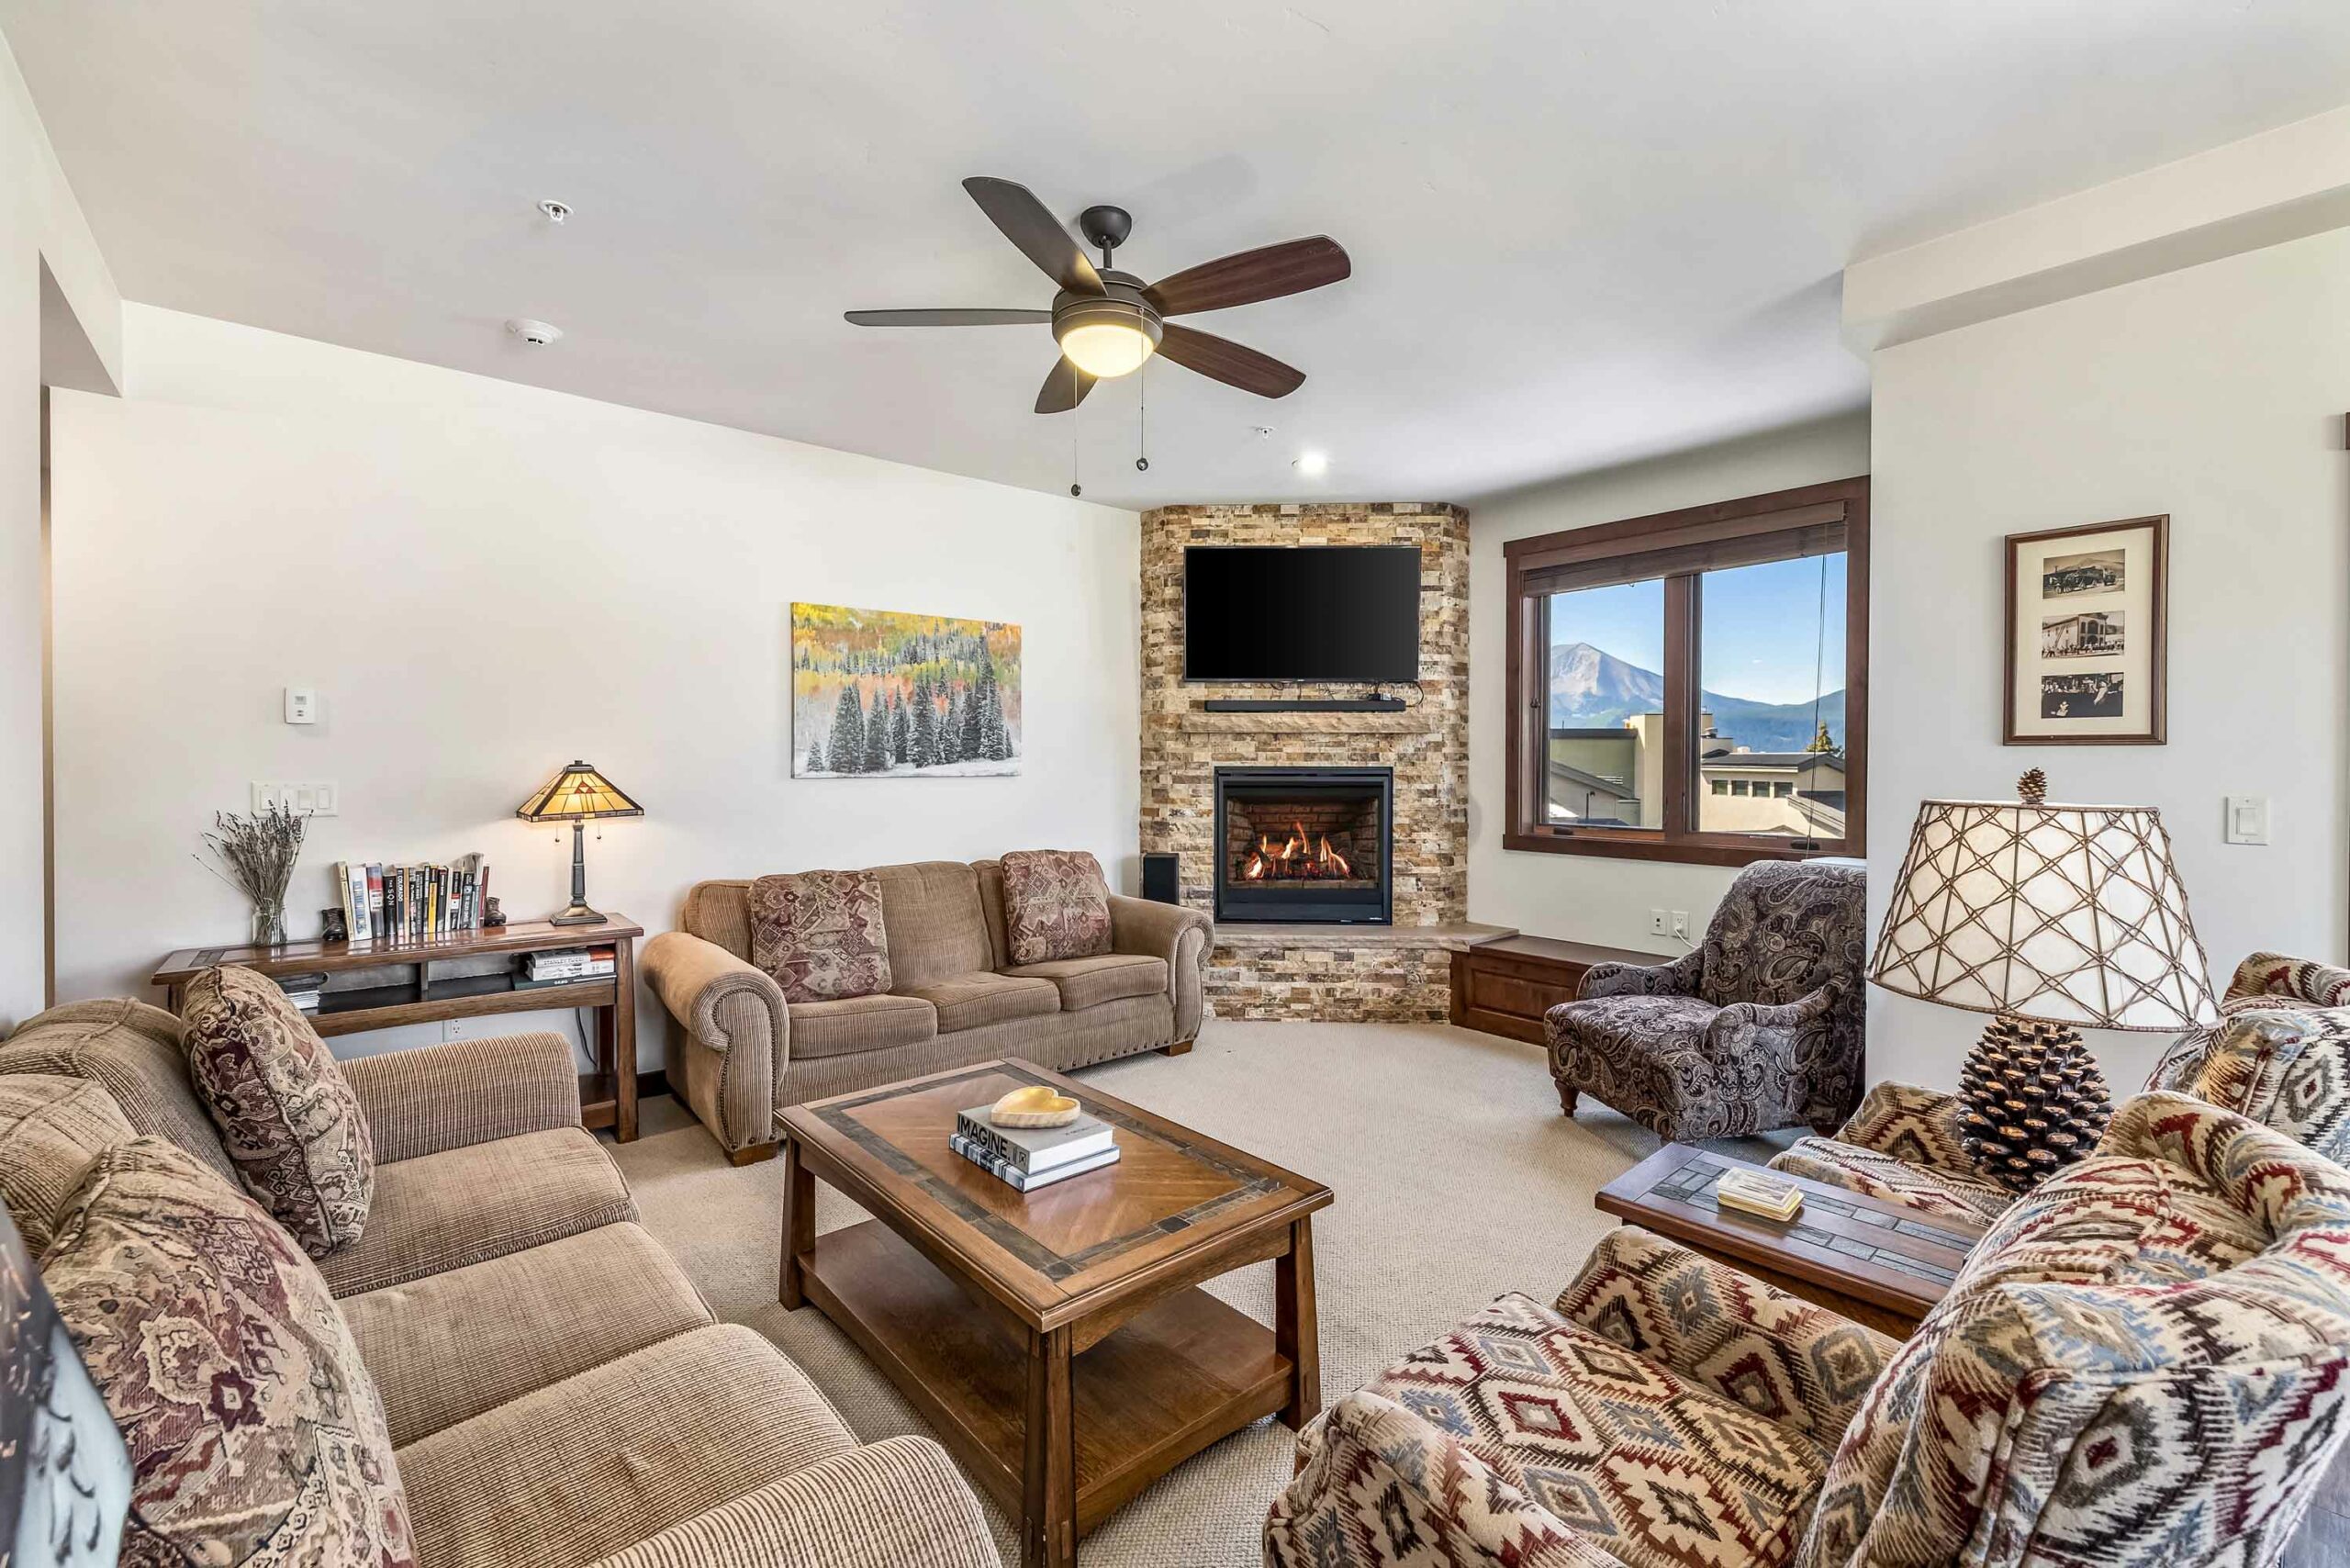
x=2087 y=646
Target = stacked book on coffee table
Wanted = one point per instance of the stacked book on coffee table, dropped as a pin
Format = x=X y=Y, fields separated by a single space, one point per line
x=1025 y=1159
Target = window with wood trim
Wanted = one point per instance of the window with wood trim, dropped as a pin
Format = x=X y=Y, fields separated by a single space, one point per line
x=1694 y=686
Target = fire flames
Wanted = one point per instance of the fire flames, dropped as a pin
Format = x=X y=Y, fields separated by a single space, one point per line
x=1296 y=857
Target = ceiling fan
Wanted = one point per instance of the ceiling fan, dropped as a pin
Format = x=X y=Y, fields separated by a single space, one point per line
x=1108 y=322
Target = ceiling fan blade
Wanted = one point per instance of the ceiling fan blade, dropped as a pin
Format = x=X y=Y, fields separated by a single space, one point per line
x=949 y=318
x=1029 y=224
x=1221 y=359
x=1266 y=273
x=1064 y=389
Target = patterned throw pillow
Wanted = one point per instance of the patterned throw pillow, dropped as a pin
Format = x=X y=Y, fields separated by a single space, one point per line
x=286 y=1115
x=255 y=1434
x=820 y=934
x=1056 y=905
x=2288 y=1068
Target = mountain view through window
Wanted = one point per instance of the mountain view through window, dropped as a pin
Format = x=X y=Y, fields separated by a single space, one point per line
x=1770 y=732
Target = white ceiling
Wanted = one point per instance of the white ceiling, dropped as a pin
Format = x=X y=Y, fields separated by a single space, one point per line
x=1582 y=233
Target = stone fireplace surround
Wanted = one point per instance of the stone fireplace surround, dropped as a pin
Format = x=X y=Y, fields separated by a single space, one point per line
x=1397 y=973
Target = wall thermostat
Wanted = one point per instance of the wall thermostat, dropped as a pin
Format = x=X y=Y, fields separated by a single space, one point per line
x=301 y=705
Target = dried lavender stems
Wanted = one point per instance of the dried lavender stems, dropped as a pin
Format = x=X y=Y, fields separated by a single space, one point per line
x=258 y=852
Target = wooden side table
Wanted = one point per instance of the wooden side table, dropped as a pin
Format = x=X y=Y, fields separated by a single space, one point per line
x=1876 y=1263
x=607 y=1096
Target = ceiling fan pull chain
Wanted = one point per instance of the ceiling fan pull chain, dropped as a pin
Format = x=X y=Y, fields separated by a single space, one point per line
x=1142 y=419
x=1074 y=487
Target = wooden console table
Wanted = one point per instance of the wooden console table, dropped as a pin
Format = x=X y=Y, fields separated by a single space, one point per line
x=607 y=1096
x=1505 y=986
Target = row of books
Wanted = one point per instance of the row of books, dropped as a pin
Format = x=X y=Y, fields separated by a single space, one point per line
x=412 y=903
x=1025 y=1159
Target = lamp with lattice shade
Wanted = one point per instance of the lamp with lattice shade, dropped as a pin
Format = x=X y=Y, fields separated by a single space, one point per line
x=2052 y=918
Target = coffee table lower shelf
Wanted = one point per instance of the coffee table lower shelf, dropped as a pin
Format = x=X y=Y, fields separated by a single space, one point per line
x=1166 y=1383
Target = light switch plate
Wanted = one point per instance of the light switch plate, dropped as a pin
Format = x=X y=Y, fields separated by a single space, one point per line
x=308 y=800
x=2247 y=818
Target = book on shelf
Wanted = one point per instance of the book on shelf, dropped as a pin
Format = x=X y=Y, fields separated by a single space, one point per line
x=418 y=903
x=572 y=963
x=1754 y=1192
x=1021 y=1181
x=304 y=989
x=1035 y=1150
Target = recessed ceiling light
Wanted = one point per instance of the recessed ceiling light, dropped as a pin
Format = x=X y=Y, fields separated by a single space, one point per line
x=554 y=211
x=1312 y=465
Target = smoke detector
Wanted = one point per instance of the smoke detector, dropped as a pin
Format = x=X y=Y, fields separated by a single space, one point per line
x=538 y=334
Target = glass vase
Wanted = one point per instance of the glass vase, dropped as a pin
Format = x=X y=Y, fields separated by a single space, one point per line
x=269 y=923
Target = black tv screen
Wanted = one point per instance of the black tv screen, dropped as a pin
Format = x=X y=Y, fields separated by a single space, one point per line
x=1335 y=612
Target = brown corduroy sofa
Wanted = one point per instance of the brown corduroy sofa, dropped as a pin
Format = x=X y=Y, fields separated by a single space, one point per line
x=738 y=1052
x=558 y=1394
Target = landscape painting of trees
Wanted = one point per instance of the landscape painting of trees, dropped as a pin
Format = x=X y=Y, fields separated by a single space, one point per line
x=883 y=693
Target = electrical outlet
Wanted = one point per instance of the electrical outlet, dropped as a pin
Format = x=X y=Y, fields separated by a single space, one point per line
x=1657 y=927
x=1681 y=923
x=458 y=1028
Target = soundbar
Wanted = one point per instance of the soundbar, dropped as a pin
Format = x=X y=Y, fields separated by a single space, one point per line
x=1303 y=705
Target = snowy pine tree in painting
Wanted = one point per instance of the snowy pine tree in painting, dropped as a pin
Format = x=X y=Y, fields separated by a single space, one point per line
x=925 y=724
x=846 y=749
x=885 y=692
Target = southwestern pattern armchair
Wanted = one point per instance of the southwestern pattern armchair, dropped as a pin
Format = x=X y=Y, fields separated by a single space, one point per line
x=2146 y=1361
x=1760 y=1027
x=2279 y=1054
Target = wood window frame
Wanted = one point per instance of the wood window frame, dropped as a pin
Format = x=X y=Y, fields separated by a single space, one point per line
x=1680 y=545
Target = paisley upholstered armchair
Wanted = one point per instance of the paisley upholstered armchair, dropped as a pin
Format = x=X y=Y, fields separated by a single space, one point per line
x=1760 y=1027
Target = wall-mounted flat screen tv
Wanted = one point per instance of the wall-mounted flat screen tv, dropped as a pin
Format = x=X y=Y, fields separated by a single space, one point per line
x=1332 y=613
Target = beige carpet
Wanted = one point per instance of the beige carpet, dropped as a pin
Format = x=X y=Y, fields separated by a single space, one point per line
x=1456 y=1177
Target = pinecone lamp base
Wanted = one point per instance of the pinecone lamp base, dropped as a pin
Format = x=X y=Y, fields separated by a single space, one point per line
x=2032 y=1101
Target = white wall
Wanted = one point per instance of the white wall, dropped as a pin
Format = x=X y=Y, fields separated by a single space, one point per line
x=484 y=580
x=42 y=230
x=2215 y=395
x=1585 y=898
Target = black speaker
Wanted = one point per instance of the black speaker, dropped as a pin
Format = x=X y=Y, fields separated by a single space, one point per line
x=1161 y=878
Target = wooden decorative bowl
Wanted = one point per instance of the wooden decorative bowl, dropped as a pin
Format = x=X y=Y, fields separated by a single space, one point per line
x=1034 y=1106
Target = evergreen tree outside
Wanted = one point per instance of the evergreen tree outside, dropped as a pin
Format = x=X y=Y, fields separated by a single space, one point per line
x=847 y=747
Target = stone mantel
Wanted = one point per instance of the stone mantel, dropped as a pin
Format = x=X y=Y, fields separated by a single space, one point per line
x=1336 y=972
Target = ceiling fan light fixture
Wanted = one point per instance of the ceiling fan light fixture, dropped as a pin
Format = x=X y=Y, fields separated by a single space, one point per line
x=1105 y=336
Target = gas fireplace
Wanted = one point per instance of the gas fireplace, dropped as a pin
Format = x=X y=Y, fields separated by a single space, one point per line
x=1305 y=844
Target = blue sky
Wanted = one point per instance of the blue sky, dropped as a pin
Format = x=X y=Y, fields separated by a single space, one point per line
x=1761 y=627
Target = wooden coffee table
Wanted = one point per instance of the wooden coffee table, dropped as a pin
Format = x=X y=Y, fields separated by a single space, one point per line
x=1876 y=1263
x=1057 y=1341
